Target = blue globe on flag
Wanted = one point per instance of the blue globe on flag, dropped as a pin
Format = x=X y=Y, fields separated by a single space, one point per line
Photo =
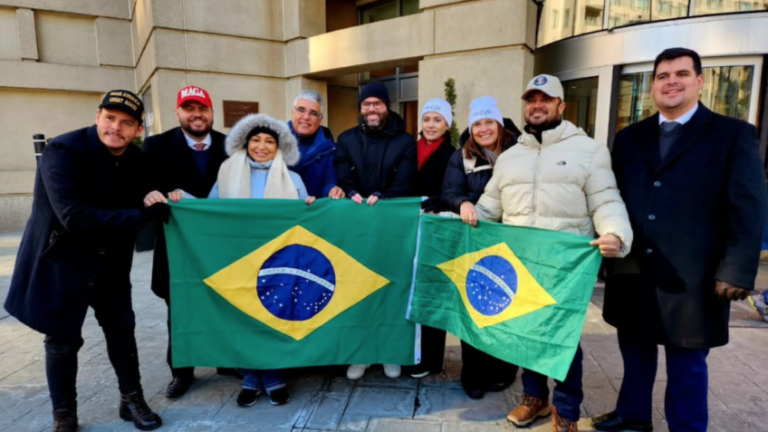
x=296 y=283
x=491 y=285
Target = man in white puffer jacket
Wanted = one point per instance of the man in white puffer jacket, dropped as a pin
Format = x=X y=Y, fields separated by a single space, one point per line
x=556 y=178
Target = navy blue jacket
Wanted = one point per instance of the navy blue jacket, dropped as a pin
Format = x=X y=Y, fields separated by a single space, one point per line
x=698 y=216
x=382 y=162
x=80 y=236
x=170 y=166
x=316 y=166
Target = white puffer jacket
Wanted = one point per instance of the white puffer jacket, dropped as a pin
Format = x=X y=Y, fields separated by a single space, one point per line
x=565 y=184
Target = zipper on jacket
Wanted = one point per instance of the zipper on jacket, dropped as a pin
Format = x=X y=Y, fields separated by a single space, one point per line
x=536 y=185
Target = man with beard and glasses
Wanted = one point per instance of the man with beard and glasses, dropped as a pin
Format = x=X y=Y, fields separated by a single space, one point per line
x=376 y=160
x=184 y=158
x=694 y=186
x=560 y=179
x=77 y=252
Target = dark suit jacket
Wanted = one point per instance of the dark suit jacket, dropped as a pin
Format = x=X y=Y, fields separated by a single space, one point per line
x=171 y=166
x=85 y=214
x=698 y=216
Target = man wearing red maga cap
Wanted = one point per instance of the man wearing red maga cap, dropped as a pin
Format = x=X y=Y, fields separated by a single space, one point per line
x=184 y=158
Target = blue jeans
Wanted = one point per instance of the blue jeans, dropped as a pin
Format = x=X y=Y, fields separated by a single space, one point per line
x=685 y=401
x=568 y=394
x=268 y=379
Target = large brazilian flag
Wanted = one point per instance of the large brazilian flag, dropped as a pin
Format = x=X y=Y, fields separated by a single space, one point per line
x=276 y=283
x=519 y=294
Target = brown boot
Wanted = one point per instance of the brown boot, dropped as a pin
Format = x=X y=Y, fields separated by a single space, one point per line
x=529 y=410
x=65 y=420
x=560 y=424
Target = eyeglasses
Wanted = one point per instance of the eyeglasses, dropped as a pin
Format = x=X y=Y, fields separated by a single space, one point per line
x=374 y=104
x=312 y=113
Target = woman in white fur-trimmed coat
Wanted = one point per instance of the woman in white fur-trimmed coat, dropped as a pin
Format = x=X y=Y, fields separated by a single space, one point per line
x=260 y=151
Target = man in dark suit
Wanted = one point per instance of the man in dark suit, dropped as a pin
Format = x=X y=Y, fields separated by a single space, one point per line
x=693 y=184
x=184 y=158
x=77 y=252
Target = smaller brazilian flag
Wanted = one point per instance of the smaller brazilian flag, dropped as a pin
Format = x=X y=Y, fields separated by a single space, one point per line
x=272 y=284
x=517 y=293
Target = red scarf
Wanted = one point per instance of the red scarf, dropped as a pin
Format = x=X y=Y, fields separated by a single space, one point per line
x=424 y=151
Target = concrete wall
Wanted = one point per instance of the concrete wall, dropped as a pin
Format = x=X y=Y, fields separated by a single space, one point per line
x=504 y=72
x=57 y=58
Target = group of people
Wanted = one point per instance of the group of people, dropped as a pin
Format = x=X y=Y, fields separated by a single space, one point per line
x=680 y=204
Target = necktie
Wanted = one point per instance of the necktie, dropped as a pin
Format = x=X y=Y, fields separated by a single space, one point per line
x=669 y=126
x=199 y=146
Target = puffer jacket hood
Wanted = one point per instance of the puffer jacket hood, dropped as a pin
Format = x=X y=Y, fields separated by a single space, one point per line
x=563 y=184
x=236 y=139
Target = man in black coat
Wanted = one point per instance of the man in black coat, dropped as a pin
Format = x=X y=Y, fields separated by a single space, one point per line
x=184 y=158
x=693 y=184
x=376 y=160
x=77 y=252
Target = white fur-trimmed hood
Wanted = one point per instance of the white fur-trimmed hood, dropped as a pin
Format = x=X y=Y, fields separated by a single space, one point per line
x=287 y=143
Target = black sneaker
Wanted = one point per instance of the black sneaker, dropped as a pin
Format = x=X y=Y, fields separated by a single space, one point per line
x=279 y=396
x=248 y=397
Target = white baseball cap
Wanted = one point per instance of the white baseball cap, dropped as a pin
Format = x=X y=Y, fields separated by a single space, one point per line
x=547 y=84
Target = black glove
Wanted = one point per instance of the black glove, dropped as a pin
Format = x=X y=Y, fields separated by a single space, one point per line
x=434 y=205
x=157 y=212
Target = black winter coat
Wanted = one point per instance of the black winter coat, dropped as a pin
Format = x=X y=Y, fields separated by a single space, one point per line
x=463 y=184
x=381 y=162
x=80 y=237
x=429 y=179
x=697 y=217
x=170 y=166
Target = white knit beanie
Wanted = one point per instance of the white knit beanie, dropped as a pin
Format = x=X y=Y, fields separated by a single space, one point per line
x=438 y=106
x=484 y=108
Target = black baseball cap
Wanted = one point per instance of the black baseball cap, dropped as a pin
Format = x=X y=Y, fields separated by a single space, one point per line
x=125 y=101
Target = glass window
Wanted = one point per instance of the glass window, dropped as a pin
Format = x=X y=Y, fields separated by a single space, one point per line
x=669 y=9
x=707 y=7
x=581 y=103
x=378 y=12
x=625 y=12
x=409 y=7
x=388 y=9
x=556 y=21
x=727 y=90
x=589 y=16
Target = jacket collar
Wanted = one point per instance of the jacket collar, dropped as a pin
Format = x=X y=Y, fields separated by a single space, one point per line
x=322 y=145
x=649 y=139
x=696 y=127
x=553 y=136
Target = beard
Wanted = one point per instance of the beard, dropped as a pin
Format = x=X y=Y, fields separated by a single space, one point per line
x=198 y=133
x=377 y=125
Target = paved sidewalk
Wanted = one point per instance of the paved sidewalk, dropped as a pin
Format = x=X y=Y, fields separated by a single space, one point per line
x=324 y=400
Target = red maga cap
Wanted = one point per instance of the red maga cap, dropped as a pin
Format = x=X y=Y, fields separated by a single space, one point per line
x=193 y=93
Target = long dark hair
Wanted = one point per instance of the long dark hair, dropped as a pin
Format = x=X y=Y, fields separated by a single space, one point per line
x=473 y=149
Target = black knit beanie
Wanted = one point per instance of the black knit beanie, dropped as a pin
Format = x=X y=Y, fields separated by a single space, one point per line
x=374 y=89
x=262 y=129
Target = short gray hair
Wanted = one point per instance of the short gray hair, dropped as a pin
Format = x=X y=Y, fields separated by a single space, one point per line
x=310 y=95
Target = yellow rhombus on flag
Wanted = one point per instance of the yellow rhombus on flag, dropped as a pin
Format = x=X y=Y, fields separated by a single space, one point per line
x=296 y=283
x=500 y=287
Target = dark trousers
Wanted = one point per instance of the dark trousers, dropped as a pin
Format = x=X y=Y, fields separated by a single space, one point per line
x=184 y=372
x=432 y=349
x=479 y=370
x=685 y=400
x=114 y=312
x=568 y=394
